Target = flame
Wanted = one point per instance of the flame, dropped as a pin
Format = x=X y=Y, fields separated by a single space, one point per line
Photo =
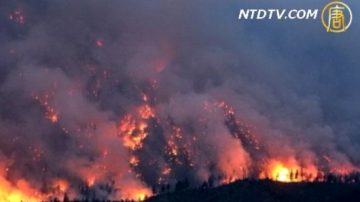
x=174 y=145
x=290 y=171
x=21 y=191
x=281 y=173
x=227 y=108
x=344 y=169
x=137 y=194
x=91 y=181
x=133 y=128
x=141 y=195
x=61 y=185
x=132 y=133
x=134 y=161
x=53 y=118
x=146 y=111
x=172 y=149
x=166 y=171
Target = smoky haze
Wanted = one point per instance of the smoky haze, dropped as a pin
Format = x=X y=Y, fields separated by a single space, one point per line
x=115 y=97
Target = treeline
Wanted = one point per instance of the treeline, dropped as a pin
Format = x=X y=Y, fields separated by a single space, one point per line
x=181 y=185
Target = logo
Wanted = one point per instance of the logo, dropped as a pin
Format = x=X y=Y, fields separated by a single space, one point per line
x=336 y=17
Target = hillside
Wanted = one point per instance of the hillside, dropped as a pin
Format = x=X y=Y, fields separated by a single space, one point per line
x=267 y=191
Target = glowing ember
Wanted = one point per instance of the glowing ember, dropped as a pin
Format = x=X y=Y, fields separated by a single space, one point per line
x=145 y=98
x=17 y=16
x=134 y=161
x=50 y=112
x=166 y=171
x=53 y=118
x=146 y=111
x=99 y=43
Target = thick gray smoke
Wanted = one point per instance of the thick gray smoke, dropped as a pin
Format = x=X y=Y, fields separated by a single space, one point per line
x=71 y=72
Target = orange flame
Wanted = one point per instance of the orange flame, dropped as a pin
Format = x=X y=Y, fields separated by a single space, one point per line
x=289 y=171
x=133 y=129
x=281 y=173
x=134 y=161
x=146 y=111
x=21 y=191
x=91 y=181
x=61 y=185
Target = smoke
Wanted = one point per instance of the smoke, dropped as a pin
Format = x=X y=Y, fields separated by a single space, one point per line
x=111 y=98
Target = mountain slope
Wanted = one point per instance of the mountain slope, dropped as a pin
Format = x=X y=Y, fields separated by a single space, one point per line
x=267 y=191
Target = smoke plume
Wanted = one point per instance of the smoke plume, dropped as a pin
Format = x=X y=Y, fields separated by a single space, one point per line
x=111 y=99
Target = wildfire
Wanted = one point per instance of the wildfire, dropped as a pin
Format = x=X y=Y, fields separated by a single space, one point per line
x=61 y=185
x=21 y=191
x=132 y=133
x=145 y=111
x=134 y=128
x=138 y=194
x=290 y=171
x=233 y=162
x=175 y=146
x=281 y=173
x=141 y=195
x=91 y=181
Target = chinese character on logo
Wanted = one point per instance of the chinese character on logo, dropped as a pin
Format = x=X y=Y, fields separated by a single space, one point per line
x=336 y=19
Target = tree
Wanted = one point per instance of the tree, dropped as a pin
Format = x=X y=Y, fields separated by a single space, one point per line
x=66 y=198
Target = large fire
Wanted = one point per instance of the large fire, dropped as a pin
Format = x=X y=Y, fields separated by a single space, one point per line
x=133 y=130
x=153 y=138
x=22 y=191
x=17 y=193
x=289 y=172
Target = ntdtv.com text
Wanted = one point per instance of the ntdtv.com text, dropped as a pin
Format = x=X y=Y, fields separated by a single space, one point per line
x=278 y=14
